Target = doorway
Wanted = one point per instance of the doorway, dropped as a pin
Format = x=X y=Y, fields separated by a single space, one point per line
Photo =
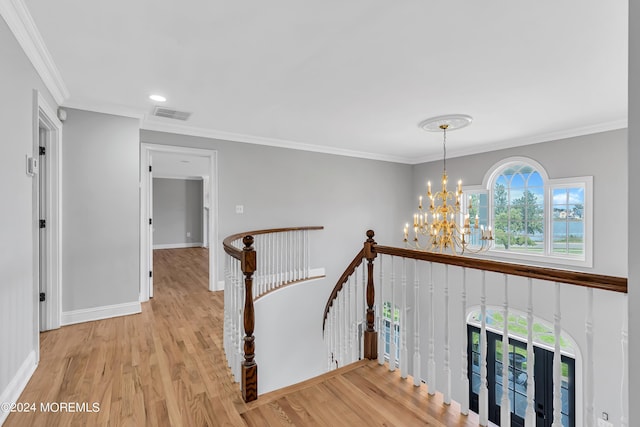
x=151 y=162
x=47 y=139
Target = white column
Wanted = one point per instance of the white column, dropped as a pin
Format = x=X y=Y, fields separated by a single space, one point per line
x=483 y=397
x=392 y=329
x=464 y=376
x=404 y=357
x=624 y=394
x=530 y=416
x=431 y=365
x=416 y=325
x=446 y=393
x=557 y=362
x=590 y=420
x=505 y=407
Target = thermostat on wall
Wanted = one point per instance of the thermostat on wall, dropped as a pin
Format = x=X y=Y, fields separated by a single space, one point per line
x=32 y=166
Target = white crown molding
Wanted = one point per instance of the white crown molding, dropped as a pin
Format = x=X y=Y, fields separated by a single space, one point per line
x=155 y=125
x=114 y=110
x=553 y=136
x=19 y=20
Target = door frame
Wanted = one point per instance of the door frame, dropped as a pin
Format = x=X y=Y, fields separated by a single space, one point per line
x=146 y=151
x=44 y=116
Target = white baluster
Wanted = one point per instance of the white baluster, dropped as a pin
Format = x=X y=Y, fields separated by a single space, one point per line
x=327 y=339
x=431 y=366
x=404 y=362
x=624 y=392
x=290 y=251
x=269 y=263
x=380 y=310
x=416 y=325
x=483 y=397
x=362 y=310
x=505 y=407
x=350 y=319
x=530 y=416
x=343 y=329
x=305 y=254
x=589 y=363
x=295 y=256
x=392 y=329
x=355 y=309
x=446 y=393
x=557 y=363
x=464 y=377
x=334 y=334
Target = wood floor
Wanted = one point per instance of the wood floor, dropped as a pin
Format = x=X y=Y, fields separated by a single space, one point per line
x=166 y=367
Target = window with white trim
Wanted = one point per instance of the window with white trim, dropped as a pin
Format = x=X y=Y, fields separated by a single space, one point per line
x=532 y=216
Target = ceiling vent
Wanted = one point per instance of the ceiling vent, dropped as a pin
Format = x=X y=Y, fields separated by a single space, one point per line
x=171 y=114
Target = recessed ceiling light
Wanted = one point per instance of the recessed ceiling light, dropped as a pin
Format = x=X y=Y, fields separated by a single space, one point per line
x=157 y=98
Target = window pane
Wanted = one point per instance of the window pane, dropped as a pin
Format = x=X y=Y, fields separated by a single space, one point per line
x=568 y=221
x=535 y=180
x=521 y=405
x=519 y=210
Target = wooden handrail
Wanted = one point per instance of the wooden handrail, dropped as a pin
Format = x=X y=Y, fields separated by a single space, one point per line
x=357 y=260
x=237 y=253
x=589 y=280
x=248 y=265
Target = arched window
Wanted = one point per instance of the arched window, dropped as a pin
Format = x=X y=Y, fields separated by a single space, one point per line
x=518 y=208
x=533 y=216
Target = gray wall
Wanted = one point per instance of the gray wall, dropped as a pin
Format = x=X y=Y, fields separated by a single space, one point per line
x=18 y=330
x=634 y=209
x=177 y=209
x=101 y=219
x=602 y=155
x=282 y=187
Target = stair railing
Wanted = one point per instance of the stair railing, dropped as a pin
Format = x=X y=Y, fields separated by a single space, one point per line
x=385 y=312
x=256 y=263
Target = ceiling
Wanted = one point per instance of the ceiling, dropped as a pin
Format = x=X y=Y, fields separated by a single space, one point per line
x=348 y=77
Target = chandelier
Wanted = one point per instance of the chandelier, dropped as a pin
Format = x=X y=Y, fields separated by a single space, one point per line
x=441 y=225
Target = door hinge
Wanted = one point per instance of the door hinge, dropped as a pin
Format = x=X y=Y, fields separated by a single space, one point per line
x=150 y=273
x=150 y=168
x=43 y=223
x=150 y=221
x=42 y=296
x=43 y=151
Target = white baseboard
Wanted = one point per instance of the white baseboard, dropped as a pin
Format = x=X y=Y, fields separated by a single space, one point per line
x=178 y=245
x=12 y=393
x=99 y=313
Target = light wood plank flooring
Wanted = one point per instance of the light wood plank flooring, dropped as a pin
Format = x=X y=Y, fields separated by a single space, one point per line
x=166 y=367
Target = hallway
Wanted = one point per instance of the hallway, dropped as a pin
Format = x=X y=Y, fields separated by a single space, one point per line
x=162 y=367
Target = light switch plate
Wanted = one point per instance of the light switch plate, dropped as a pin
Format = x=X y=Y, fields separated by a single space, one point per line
x=239 y=209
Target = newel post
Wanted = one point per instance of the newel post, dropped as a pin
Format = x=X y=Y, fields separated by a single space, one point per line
x=370 y=334
x=249 y=367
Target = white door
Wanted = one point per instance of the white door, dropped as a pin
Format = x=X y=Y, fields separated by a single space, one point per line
x=42 y=236
x=150 y=231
